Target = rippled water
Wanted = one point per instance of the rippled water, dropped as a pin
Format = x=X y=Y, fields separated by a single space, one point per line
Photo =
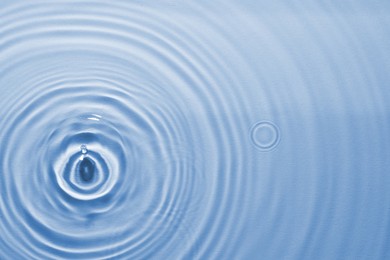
x=194 y=130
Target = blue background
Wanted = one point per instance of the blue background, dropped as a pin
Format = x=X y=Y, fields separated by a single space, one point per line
x=218 y=129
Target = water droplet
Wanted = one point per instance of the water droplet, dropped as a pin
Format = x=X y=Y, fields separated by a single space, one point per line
x=83 y=149
x=86 y=169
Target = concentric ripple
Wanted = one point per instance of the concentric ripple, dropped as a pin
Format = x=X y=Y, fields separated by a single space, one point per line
x=144 y=130
x=91 y=170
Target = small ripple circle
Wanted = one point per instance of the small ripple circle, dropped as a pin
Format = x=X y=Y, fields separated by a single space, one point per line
x=265 y=135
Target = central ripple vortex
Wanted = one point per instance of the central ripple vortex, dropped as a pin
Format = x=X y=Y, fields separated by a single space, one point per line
x=86 y=169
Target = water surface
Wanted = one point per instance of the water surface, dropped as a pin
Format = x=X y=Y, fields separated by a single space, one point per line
x=194 y=130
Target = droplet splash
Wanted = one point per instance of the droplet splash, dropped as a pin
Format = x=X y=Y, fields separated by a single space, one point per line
x=83 y=149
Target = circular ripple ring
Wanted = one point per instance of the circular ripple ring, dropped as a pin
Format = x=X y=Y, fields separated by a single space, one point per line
x=265 y=135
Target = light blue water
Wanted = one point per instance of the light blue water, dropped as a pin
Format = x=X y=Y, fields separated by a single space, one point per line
x=194 y=130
